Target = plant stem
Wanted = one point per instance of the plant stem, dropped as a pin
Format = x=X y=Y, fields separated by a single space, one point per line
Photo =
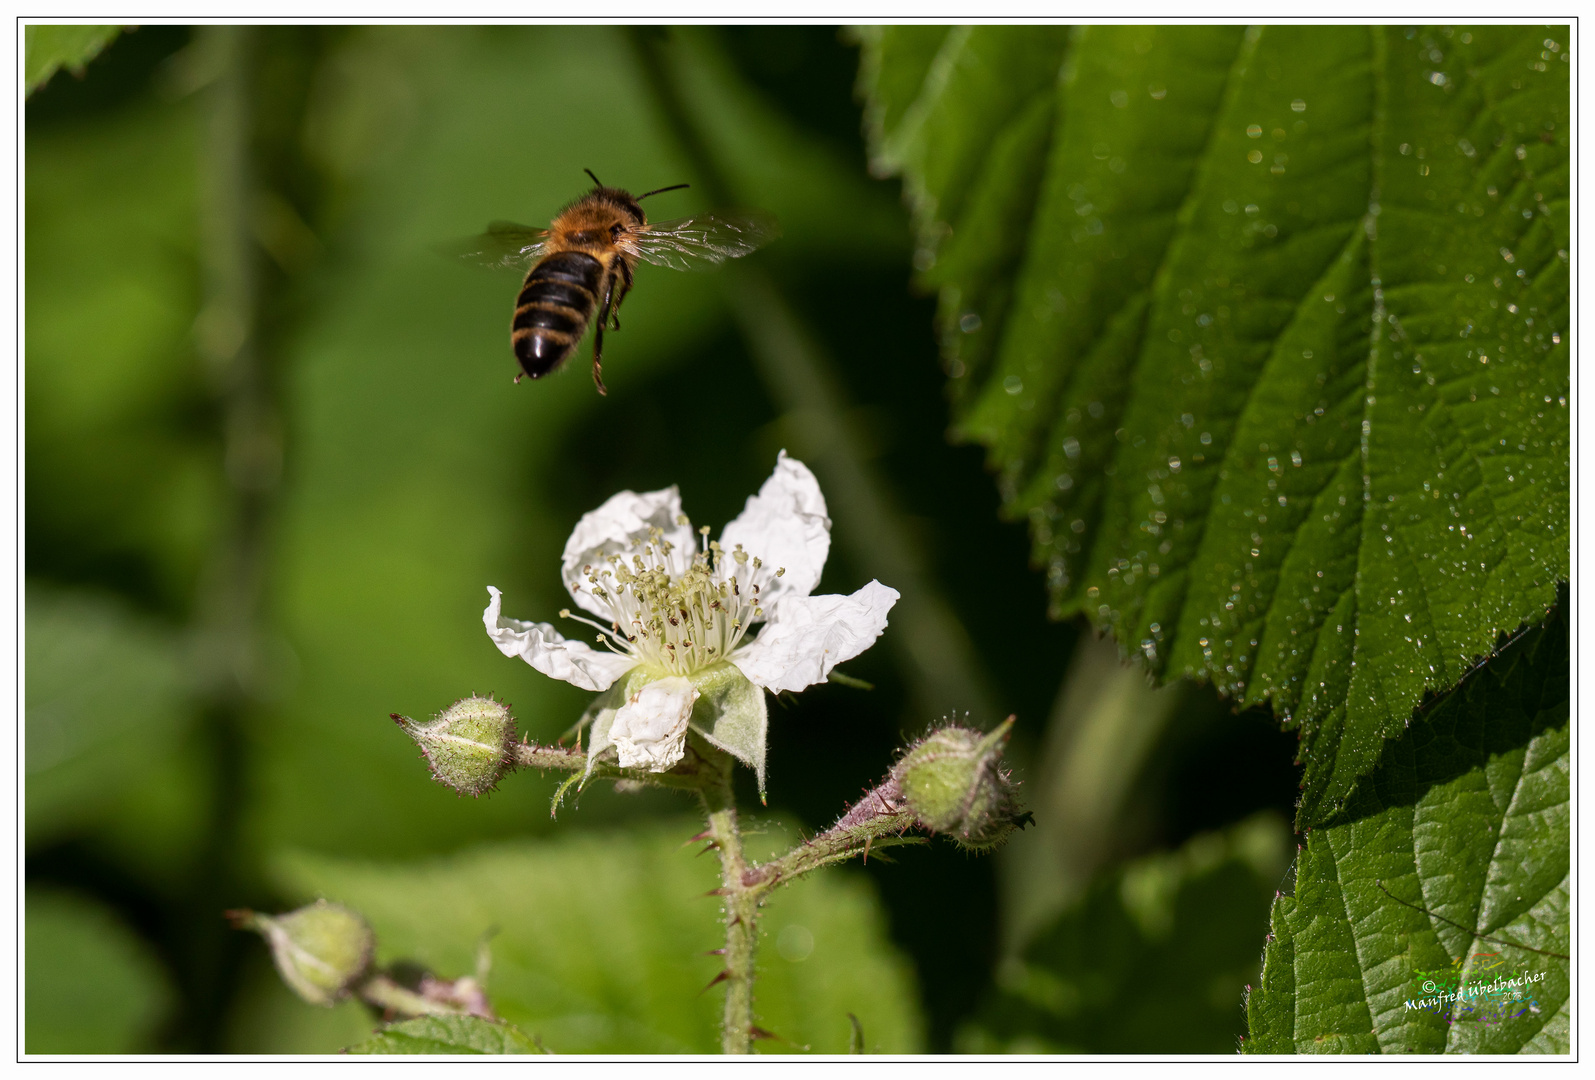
x=876 y=821
x=383 y=993
x=227 y=614
x=740 y=903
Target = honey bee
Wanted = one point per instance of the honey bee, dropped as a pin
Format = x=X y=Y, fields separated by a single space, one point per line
x=584 y=262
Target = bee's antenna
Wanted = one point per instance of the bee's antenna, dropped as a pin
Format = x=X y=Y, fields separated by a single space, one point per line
x=661 y=191
x=597 y=181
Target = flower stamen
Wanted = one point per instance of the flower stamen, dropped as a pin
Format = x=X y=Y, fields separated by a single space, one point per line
x=682 y=613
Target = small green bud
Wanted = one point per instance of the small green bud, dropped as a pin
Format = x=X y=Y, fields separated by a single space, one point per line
x=468 y=745
x=321 y=950
x=954 y=783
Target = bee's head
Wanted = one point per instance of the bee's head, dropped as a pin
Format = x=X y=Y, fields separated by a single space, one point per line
x=619 y=198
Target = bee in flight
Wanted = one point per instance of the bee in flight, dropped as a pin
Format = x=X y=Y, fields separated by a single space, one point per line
x=584 y=262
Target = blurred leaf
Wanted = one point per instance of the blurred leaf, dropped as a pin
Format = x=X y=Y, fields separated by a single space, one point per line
x=826 y=208
x=92 y=986
x=107 y=702
x=1266 y=331
x=602 y=937
x=893 y=67
x=268 y=1018
x=1466 y=817
x=449 y=1035
x=1154 y=958
x=50 y=48
x=124 y=485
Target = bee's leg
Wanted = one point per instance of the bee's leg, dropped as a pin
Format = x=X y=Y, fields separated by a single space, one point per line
x=625 y=287
x=604 y=312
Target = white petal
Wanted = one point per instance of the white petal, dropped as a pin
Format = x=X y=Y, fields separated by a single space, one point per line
x=541 y=646
x=785 y=526
x=812 y=634
x=616 y=526
x=650 y=730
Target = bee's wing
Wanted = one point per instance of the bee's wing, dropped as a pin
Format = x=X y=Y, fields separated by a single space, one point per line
x=504 y=244
x=694 y=243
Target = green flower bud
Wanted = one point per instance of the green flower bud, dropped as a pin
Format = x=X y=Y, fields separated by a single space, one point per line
x=468 y=745
x=954 y=783
x=321 y=951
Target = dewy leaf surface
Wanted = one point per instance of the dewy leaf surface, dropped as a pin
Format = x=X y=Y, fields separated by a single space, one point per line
x=1447 y=871
x=1266 y=333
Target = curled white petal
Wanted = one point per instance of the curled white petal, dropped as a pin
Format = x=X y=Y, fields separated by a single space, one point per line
x=650 y=730
x=543 y=647
x=786 y=526
x=810 y=635
x=617 y=526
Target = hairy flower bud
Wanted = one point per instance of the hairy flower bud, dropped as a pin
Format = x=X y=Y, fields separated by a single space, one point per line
x=954 y=783
x=468 y=745
x=321 y=950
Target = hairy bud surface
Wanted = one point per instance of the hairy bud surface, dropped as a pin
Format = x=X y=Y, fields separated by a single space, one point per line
x=467 y=745
x=954 y=783
x=321 y=950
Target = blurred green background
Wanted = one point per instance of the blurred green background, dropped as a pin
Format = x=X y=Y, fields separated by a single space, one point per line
x=274 y=456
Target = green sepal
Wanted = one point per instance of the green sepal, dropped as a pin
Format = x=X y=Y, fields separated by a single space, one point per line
x=731 y=714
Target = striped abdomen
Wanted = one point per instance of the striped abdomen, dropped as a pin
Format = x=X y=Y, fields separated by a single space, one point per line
x=552 y=312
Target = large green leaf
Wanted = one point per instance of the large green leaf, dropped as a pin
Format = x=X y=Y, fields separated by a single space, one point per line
x=449 y=1035
x=51 y=48
x=1113 y=974
x=1448 y=869
x=1266 y=332
x=602 y=938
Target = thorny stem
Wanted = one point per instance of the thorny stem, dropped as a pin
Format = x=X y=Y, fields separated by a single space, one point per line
x=533 y=756
x=692 y=773
x=740 y=903
x=878 y=820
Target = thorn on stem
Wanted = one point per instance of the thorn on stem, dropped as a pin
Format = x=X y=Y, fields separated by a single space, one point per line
x=720 y=978
x=855 y=1038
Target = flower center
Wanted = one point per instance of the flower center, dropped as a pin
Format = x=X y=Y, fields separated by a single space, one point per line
x=672 y=611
